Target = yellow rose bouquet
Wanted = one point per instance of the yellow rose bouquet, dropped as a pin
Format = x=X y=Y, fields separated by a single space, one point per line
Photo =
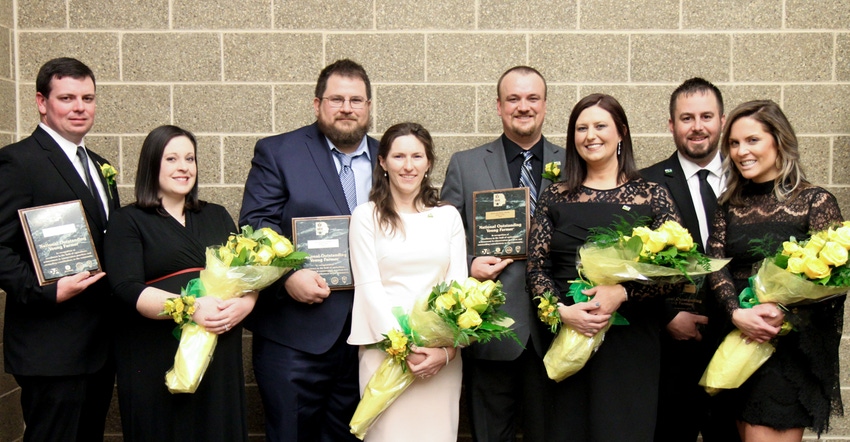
x=453 y=314
x=251 y=260
x=801 y=273
x=611 y=256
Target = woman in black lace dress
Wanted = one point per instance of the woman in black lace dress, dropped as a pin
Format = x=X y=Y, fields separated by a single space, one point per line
x=614 y=397
x=769 y=198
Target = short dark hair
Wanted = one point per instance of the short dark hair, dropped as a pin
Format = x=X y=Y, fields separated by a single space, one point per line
x=381 y=195
x=59 y=68
x=576 y=167
x=692 y=86
x=524 y=70
x=344 y=68
x=150 y=162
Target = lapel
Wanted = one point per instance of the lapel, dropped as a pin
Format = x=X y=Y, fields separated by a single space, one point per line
x=321 y=154
x=69 y=173
x=550 y=154
x=497 y=165
x=677 y=184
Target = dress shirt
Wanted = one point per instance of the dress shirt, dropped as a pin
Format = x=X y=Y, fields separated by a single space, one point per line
x=514 y=157
x=715 y=179
x=361 y=165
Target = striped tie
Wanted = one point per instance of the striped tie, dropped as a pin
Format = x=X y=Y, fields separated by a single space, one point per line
x=346 y=178
x=526 y=179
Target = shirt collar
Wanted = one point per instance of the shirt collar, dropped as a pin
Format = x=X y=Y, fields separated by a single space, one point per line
x=68 y=147
x=715 y=166
x=363 y=148
x=512 y=150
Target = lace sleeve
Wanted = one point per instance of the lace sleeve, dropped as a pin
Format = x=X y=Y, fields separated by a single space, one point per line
x=824 y=210
x=720 y=282
x=538 y=279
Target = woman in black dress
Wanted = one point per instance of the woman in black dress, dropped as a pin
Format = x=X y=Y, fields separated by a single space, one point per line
x=153 y=248
x=614 y=397
x=769 y=198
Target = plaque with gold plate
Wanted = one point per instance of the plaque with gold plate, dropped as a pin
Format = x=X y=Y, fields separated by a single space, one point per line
x=500 y=223
x=325 y=239
x=59 y=240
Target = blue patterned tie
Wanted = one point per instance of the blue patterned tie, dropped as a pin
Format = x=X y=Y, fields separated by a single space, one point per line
x=526 y=179
x=346 y=178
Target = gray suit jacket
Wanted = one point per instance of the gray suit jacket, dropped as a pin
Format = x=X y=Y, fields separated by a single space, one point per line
x=486 y=168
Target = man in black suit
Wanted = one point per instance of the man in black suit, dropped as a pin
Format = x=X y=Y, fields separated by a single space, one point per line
x=695 y=322
x=305 y=370
x=55 y=341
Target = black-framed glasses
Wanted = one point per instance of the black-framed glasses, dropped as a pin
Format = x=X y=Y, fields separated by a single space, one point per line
x=354 y=102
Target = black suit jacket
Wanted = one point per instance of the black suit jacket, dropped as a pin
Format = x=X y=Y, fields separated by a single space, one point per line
x=293 y=175
x=41 y=337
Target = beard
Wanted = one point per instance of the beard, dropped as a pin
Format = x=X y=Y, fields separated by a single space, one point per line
x=699 y=153
x=344 y=137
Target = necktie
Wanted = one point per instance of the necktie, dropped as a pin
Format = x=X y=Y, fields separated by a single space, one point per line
x=346 y=178
x=709 y=199
x=526 y=179
x=84 y=159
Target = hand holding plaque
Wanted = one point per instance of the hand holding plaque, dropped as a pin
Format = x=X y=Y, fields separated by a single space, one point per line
x=325 y=239
x=500 y=223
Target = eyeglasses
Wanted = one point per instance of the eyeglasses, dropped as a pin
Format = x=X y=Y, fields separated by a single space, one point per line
x=354 y=102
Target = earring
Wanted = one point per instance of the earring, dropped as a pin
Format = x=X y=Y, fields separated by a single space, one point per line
x=385 y=173
x=426 y=174
x=619 y=145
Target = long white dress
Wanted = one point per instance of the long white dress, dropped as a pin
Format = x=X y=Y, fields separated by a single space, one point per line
x=397 y=270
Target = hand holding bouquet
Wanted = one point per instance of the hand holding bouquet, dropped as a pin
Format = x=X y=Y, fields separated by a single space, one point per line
x=251 y=260
x=801 y=273
x=611 y=256
x=453 y=314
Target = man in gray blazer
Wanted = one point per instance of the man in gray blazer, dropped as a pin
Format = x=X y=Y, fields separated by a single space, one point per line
x=506 y=383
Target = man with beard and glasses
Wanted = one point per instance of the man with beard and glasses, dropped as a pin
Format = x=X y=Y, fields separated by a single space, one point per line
x=305 y=370
x=695 y=323
x=506 y=383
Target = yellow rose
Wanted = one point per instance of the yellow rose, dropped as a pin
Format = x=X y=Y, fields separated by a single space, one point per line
x=445 y=301
x=642 y=232
x=475 y=298
x=243 y=243
x=178 y=305
x=282 y=247
x=816 y=242
x=841 y=235
x=398 y=342
x=469 y=319
x=795 y=265
x=833 y=254
x=265 y=255
x=657 y=242
x=680 y=238
x=815 y=268
x=226 y=255
x=790 y=248
x=487 y=287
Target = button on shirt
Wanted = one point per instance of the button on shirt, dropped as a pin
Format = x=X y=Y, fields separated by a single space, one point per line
x=361 y=164
x=715 y=179
x=70 y=150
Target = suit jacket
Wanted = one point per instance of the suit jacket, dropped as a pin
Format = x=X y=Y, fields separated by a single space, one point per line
x=41 y=337
x=486 y=168
x=669 y=173
x=293 y=175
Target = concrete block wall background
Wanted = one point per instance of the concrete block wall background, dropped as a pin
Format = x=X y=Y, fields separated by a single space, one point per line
x=235 y=71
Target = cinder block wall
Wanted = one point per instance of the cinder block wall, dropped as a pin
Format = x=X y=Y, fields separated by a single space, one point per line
x=235 y=71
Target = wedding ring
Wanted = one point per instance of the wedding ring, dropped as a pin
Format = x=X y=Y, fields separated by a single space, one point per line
x=226 y=327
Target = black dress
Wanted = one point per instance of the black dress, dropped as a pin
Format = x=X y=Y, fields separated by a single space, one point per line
x=614 y=397
x=798 y=386
x=142 y=245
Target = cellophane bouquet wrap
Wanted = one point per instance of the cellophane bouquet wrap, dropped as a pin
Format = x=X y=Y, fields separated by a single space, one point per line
x=454 y=314
x=801 y=273
x=251 y=260
x=611 y=256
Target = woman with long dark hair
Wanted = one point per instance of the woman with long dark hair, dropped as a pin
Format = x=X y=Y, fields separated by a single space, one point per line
x=153 y=248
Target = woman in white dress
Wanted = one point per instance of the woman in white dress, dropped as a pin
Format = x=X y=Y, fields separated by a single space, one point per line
x=403 y=242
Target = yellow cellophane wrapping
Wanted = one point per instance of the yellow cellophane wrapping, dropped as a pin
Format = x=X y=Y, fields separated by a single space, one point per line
x=735 y=360
x=570 y=350
x=392 y=379
x=196 y=344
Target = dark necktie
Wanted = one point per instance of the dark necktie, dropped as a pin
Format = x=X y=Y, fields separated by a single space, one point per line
x=346 y=178
x=84 y=159
x=526 y=179
x=709 y=199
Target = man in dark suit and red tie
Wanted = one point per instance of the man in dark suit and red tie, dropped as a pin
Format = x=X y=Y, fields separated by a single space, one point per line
x=305 y=370
x=56 y=339
x=694 y=322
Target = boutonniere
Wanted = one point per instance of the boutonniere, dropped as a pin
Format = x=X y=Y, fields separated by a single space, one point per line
x=109 y=173
x=552 y=171
x=668 y=172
